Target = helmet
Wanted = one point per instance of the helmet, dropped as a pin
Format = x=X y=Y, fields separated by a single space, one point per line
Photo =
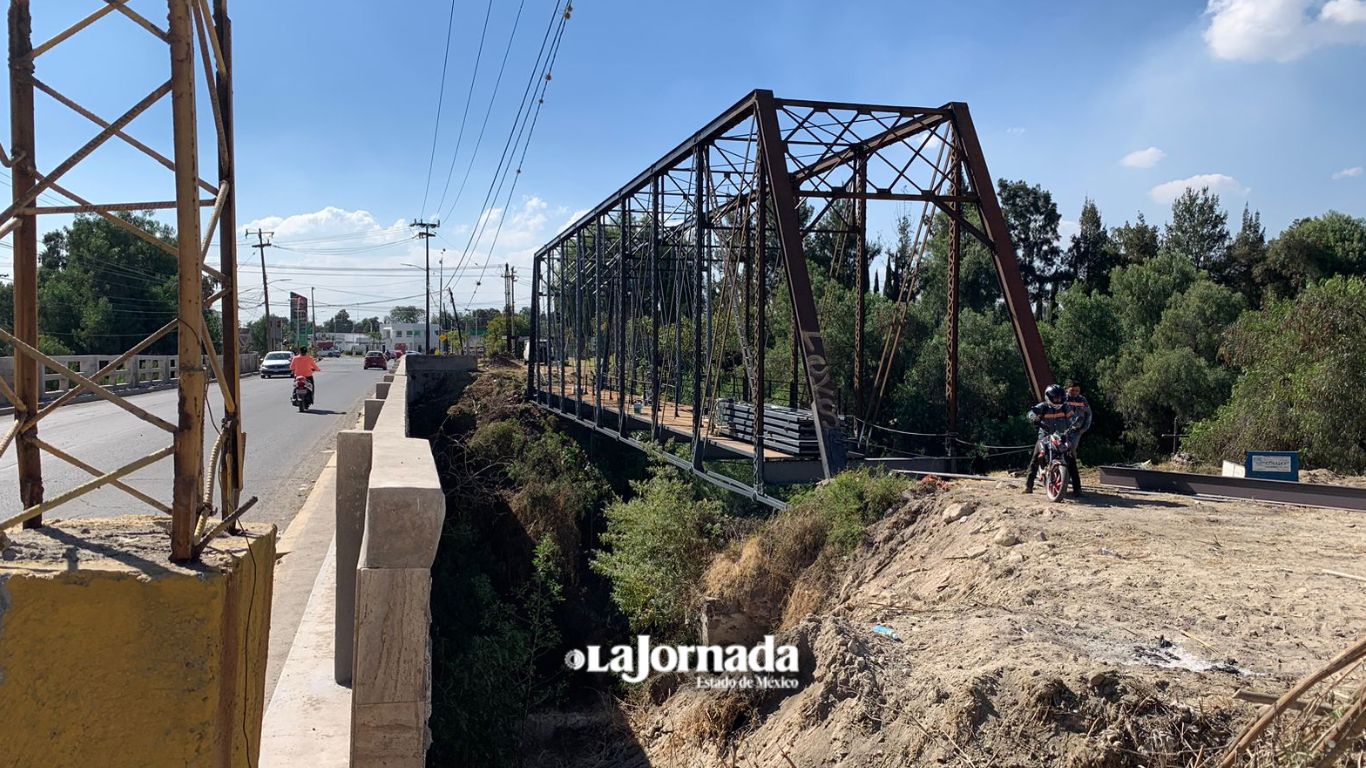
x=1053 y=394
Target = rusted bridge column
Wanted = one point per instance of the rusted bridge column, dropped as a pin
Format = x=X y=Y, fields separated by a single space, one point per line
x=27 y=383
x=189 y=436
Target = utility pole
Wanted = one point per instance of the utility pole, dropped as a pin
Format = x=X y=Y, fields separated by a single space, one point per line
x=262 y=245
x=441 y=300
x=507 y=305
x=313 y=308
x=455 y=321
x=426 y=235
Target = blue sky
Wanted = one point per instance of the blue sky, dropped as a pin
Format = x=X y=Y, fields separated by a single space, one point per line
x=336 y=102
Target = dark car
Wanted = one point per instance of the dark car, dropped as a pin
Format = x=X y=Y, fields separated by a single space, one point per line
x=375 y=360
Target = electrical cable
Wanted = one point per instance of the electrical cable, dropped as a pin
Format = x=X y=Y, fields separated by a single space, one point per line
x=440 y=99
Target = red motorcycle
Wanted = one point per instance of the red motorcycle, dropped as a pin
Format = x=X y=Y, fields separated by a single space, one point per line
x=303 y=393
x=1053 y=450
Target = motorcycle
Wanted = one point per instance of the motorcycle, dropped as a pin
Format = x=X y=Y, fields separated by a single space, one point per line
x=1053 y=450
x=303 y=393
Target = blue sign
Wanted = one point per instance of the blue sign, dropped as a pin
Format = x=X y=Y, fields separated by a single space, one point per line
x=1273 y=465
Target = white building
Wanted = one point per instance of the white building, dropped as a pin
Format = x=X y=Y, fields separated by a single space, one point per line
x=409 y=335
x=350 y=343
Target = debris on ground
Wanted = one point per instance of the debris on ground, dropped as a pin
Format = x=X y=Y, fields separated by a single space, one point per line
x=1122 y=630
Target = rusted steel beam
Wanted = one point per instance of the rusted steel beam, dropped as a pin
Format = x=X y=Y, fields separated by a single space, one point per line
x=75 y=462
x=760 y=320
x=954 y=265
x=26 y=199
x=1003 y=253
x=37 y=510
x=56 y=39
x=101 y=122
x=1280 y=491
x=201 y=14
x=234 y=449
x=70 y=394
x=189 y=433
x=860 y=281
x=807 y=321
x=158 y=205
x=141 y=21
x=27 y=379
x=83 y=382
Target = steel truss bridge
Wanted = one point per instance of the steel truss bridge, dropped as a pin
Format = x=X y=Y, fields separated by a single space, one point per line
x=658 y=315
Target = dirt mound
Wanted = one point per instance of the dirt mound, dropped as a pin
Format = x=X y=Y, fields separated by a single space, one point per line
x=1110 y=631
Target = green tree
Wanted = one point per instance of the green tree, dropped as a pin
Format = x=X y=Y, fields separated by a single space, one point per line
x=340 y=323
x=1198 y=229
x=1165 y=390
x=1033 y=219
x=1246 y=259
x=1302 y=363
x=406 y=314
x=1142 y=291
x=1135 y=243
x=1085 y=336
x=102 y=289
x=495 y=335
x=1089 y=255
x=1168 y=373
x=1313 y=249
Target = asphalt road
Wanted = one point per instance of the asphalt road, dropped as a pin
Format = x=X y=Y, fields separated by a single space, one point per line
x=285 y=449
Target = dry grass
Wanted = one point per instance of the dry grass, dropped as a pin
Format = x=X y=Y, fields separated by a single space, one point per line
x=1316 y=724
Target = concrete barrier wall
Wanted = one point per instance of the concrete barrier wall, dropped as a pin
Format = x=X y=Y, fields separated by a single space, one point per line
x=112 y=656
x=404 y=508
x=137 y=371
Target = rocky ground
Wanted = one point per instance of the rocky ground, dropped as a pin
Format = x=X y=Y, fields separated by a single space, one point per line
x=1108 y=631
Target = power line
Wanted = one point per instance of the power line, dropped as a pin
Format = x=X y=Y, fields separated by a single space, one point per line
x=540 y=77
x=540 y=100
x=440 y=99
x=469 y=96
x=493 y=98
x=522 y=107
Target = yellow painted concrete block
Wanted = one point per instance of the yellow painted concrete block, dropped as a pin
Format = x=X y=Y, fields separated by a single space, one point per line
x=112 y=656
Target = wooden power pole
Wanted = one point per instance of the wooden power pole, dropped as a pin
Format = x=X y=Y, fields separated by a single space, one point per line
x=265 y=287
x=426 y=235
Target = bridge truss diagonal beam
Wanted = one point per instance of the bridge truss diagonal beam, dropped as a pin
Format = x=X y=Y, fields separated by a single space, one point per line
x=649 y=298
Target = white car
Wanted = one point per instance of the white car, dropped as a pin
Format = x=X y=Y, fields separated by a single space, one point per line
x=276 y=364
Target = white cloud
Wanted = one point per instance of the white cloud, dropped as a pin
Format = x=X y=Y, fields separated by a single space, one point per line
x=1348 y=173
x=573 y=217
x=1015 y=131
x=1067 y=228
x=1282 y=30
x=355 y=262
x=1143 y=158
x=1217 y=183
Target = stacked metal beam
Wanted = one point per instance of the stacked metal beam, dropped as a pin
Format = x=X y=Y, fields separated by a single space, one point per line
x=790 y=430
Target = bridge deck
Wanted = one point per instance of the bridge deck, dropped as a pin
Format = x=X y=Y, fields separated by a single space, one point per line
x=675 y=419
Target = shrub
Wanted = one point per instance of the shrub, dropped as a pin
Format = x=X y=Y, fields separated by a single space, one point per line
x=658 y=545
x=850 y=502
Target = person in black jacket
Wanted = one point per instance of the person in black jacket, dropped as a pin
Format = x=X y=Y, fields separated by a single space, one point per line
x=1053 y=416
x=1081 y=417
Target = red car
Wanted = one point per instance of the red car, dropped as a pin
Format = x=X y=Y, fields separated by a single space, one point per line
x=375 y=359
